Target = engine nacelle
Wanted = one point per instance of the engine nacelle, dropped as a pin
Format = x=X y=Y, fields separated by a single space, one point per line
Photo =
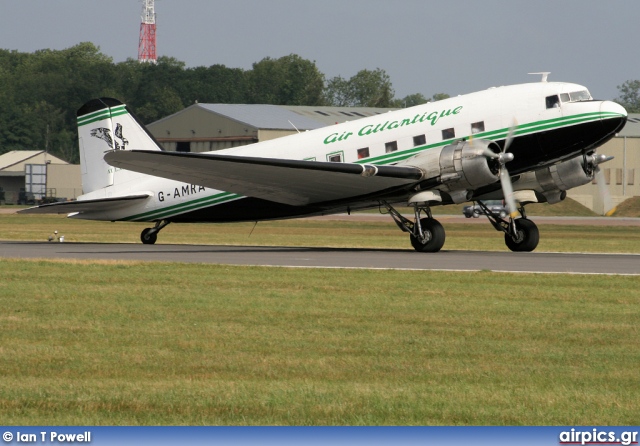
x=552 y=182
x=460 y=168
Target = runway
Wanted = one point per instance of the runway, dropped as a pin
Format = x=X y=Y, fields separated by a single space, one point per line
x=535 y=262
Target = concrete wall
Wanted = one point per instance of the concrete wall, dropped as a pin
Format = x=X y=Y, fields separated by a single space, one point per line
x=66 y=179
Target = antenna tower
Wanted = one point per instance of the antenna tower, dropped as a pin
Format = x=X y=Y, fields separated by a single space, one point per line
x=147 y=43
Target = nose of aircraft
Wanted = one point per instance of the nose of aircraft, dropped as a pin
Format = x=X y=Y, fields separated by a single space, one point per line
x=613 y=115
x=610 y=107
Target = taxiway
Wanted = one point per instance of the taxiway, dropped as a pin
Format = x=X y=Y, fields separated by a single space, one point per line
x=535 y=262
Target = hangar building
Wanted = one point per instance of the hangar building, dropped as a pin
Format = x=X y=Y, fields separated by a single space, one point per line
x=39 y=173
x=205 y=127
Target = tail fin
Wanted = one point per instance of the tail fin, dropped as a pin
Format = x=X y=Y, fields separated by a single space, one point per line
x=107 y=124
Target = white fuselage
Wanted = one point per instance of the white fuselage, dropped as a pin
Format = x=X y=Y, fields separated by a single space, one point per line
x=389 y=138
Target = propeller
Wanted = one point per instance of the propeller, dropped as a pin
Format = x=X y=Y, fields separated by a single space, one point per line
x=607 y=202
x=505 y=179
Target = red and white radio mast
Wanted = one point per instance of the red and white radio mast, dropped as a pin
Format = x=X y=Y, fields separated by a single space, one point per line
x=147 y=43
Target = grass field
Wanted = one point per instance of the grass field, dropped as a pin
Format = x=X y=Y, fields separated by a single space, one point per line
x=152 y=343
x=126 y=343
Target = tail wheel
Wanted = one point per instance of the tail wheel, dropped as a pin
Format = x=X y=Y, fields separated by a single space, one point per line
x=526 y=237
x=149 y=236
x=433 y=239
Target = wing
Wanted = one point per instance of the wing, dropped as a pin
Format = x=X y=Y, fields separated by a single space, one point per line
x=98 y=205
x=291 y=182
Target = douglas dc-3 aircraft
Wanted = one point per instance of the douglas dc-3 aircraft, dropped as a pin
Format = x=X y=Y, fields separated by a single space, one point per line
x=451 y=151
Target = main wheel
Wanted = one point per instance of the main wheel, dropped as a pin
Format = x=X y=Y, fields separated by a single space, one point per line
x=434 y=236
x=527 y=236
x=149 y=236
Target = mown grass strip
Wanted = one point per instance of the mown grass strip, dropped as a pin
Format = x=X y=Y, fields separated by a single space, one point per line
x=135 y=343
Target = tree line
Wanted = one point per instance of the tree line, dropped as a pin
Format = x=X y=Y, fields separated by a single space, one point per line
x=41 y=91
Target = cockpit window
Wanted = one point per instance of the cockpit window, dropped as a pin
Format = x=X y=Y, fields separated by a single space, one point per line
x=553 y=101
x=577 y=96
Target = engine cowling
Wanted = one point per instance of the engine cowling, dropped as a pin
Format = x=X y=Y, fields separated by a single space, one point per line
x=552 y=182
x=460 y=168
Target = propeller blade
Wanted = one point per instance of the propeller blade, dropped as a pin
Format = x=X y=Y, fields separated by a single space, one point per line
x=509 y=140
x=507 y=191
x=607 y=203
x=490 y=153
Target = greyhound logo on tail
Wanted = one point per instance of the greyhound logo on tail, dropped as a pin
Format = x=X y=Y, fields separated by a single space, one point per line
x=105 y=135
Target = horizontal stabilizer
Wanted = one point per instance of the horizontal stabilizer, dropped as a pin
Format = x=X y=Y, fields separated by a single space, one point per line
x=97 y=205
x=286 y=181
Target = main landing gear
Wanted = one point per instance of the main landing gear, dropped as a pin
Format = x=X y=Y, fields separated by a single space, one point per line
x=520 y=235
x=426 y=234
x=150 y=235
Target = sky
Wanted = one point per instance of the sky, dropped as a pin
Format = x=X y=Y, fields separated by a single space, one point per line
x=425 y=46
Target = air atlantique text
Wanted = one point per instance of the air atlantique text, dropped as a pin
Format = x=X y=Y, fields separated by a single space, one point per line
x=369 y=129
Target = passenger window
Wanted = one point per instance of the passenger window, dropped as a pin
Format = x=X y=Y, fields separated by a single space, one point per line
x=419 y=140
x=391 y=147
x=477 y=127
x=363 y=153
x=553 y=101
x=448 y=133
x=335 y=157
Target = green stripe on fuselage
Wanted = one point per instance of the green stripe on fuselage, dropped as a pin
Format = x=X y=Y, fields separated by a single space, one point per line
x=494 y=135
x=180 y=208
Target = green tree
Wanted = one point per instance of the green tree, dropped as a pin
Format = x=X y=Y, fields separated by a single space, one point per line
x=215 y=84
x=41 y=91
x=337 y=92
x=439 y=96
x=410 y=101
x=630 y=96
x=156 y=95
x=162 y=101
x=366 y=89
x=289 y=80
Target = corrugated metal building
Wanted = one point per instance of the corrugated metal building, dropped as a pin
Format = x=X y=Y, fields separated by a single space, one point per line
x=59 y=173
x=205 y=127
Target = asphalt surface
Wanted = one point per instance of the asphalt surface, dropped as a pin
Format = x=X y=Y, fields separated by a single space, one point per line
x=535 y=262
x=538 y=220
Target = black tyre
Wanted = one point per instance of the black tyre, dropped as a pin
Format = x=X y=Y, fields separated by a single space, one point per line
x=434 y=236
x=527 y=236
x=148 y=236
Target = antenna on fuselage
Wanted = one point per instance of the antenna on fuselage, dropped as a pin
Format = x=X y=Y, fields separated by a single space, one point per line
x=294 y=126
x=545 y=75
